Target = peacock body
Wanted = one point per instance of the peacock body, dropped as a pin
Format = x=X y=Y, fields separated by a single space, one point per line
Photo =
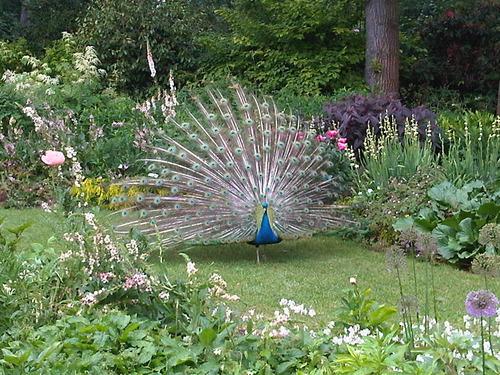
x=244 y=172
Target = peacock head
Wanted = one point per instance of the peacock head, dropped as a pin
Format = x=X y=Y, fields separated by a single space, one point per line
x=265 y=205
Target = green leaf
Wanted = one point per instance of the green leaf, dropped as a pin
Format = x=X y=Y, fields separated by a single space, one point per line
x=207 y=336
x=20 y=229
x=403 y=224
x=488 y=210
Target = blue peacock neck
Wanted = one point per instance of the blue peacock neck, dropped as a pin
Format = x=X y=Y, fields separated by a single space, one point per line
x=266 y=235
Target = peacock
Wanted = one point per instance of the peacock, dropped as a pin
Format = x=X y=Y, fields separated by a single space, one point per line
x=238 y=170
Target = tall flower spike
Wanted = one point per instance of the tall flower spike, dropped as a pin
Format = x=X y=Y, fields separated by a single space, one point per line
x=151 y=62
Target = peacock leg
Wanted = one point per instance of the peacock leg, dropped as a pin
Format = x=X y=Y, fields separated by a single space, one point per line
x=258 y=256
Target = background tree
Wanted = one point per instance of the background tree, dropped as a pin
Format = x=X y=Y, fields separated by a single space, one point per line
x=303 y=46
x=382 y=46
x=119 y=29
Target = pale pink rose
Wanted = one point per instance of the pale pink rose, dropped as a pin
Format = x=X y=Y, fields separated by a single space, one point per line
x=320 y=138
x=53 y=158
x=331 y=133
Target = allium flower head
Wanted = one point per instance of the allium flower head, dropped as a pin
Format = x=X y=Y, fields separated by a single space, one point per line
x=426 y=245
x=395 y=259
x=486 y=264
x=489 y=235
x=481 y=303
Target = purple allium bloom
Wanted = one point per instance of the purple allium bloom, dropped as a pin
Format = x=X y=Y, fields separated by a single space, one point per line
x=482 y=303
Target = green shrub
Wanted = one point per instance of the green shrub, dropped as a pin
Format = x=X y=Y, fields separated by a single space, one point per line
x=120 y=29
x=305 y=47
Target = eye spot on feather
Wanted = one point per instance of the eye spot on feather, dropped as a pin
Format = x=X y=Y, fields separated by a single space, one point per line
x=165 y=171
x=174 y=189
x=246 y=106
x=196 y=167
x=226 y=116
x=185 y=125
x=193 y=136
x=125 y=213
x=139 y=198
x=238 y=151
x=215 y=130
x=223 y=101
x=248 y=122
x=171 y=150
x=157 y=200
x=143 y=214
x=211 y=116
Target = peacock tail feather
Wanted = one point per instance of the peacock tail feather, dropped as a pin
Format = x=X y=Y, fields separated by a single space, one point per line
x=240 y=152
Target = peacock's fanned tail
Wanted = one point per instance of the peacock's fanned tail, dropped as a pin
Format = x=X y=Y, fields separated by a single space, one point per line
x=240 y=152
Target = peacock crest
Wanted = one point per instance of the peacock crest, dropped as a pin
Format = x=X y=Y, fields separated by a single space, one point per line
x=241 y=171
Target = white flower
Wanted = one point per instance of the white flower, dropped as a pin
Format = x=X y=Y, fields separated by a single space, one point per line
x=191 y=268
x=353 y=281
x=218 y=351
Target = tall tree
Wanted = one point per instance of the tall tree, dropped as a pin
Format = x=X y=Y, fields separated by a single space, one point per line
x=382 y=46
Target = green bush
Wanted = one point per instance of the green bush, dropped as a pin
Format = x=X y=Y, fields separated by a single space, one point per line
x=120 y=30
x=305 y=47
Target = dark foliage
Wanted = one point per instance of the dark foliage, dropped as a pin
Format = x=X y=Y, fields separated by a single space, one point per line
x=354 y=114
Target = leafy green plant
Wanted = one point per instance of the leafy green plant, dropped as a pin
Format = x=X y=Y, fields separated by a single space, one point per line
x=359 y=307
x=305 y=47
x=455 y=218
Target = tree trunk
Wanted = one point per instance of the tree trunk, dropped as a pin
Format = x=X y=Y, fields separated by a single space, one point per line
x=24 y=17
x=382 y=46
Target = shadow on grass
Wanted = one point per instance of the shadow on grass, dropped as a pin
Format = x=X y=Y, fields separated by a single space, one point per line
x=292 y=251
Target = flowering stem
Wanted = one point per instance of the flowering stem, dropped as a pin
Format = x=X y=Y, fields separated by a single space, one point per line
x=482 y=345
x=434 y=302
x=426 y=314
x=415 y=276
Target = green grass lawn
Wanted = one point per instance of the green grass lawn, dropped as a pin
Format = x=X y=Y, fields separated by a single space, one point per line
x=311 y=271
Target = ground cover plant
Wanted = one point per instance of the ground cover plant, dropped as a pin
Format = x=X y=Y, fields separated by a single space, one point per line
x=198 y=323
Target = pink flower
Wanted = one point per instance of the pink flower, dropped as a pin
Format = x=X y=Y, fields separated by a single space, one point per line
x=331 y=133
x=342 y=144
x=320 y=138
x=53 y=158
x=300 y=135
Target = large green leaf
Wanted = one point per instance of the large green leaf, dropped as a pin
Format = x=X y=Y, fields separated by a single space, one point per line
x=207 y=336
